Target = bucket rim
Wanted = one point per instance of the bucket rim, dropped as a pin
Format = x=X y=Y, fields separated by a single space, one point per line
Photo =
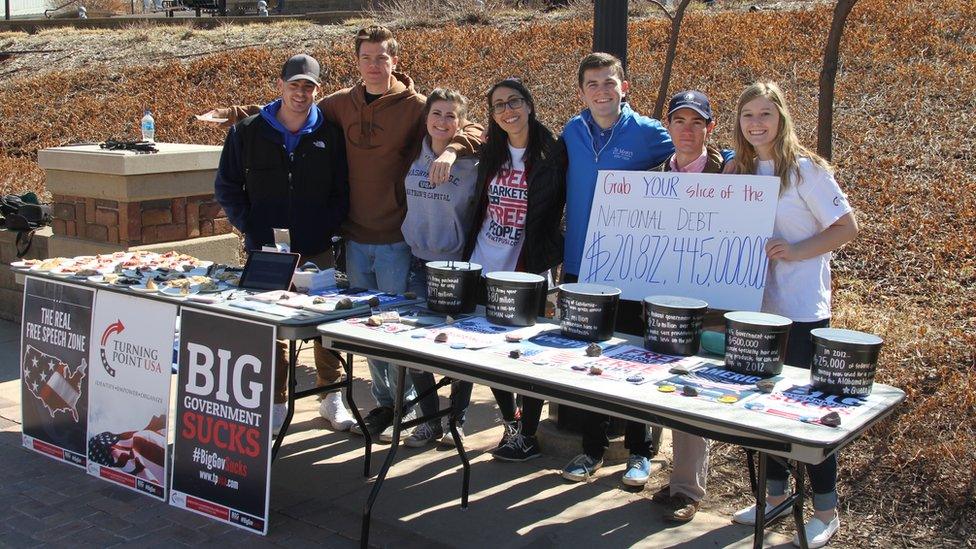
x=589 y=289
x=514 y=276
x=758 y=319
x=453 y=266
x=675 y=302
x=845 y=336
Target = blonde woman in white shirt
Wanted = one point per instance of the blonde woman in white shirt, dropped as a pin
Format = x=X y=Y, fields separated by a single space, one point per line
x=813 y=218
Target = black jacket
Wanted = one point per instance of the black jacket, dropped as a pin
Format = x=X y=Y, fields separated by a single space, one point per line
x=260 y=187
x=542 y=244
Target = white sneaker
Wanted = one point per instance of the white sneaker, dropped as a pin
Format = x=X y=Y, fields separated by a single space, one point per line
x=747 y=516
x=335 y=412
x=818 y=532
x=278 y=413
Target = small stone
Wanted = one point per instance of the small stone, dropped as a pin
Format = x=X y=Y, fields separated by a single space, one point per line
x=689 y=391
x=579 y=367
x=595 y=370
x=374 y=301
x=343 y=304
x=679 y=370
x=374 y=321
x=637 y=378
x=410 y=295
x=766 y=385
x=458 y=345
x=514 y=353
x=318 y=300
x=594 y=350
x=440 y=338
x=513 y=338
x=831 y=420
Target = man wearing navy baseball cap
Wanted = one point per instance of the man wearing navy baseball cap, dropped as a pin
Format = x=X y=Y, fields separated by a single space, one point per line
x=305 y=189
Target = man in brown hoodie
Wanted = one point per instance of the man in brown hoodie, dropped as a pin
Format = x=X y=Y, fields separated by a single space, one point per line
x=382 y=119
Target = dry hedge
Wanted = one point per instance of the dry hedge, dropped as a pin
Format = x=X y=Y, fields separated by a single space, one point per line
x=905 y=133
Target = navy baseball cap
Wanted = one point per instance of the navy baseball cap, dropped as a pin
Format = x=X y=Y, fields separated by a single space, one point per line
x=691 y=99
x=301 y=67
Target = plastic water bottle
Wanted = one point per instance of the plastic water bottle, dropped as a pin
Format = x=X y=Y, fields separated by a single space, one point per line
x=148 y=126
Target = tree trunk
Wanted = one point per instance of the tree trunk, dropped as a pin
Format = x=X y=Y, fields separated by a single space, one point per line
x=662 y=92
x=825 y=110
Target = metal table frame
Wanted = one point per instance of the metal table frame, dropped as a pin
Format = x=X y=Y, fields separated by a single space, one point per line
x=754 y=440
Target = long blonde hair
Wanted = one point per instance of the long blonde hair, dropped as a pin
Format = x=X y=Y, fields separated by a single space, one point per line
x=787 y=149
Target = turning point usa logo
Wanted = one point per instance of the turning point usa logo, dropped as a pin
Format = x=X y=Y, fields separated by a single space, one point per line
x=117 y=352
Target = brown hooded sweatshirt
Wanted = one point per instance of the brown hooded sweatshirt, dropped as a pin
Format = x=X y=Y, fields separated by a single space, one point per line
x=381 y=141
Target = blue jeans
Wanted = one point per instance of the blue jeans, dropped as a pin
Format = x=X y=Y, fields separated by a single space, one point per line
x=382 y=267
x=460 y=390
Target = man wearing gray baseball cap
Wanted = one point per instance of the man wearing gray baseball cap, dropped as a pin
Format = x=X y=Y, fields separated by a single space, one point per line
x=285 y=167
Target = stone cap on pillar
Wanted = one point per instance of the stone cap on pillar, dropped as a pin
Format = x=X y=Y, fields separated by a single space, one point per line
x=172 y=157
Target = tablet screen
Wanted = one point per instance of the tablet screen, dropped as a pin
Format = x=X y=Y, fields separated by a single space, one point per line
x=268 y=270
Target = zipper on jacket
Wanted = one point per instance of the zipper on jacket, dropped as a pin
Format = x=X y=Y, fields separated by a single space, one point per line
x=596 y=153
x=291 y=165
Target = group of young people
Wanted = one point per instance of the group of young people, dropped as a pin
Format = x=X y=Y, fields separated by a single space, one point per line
x=408 y=179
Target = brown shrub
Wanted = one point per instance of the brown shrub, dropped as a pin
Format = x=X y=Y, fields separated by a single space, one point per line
x=905 y=133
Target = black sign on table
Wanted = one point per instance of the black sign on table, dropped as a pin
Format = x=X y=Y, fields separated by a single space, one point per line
x=54 y=342
x=222 y=452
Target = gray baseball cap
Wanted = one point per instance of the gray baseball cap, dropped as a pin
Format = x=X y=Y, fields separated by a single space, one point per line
x=301 y=67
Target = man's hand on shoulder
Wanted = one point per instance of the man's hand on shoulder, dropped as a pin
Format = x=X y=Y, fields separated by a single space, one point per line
x=440 y=169
x=216 y=116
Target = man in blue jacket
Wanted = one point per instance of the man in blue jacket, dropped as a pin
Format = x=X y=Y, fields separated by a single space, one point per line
x=607 y=135
x=285 y=167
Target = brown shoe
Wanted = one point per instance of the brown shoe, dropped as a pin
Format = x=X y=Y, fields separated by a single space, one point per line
x=683 y=508
x=663 y=495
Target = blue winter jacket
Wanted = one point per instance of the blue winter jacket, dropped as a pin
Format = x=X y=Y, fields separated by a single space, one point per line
x=636 y=143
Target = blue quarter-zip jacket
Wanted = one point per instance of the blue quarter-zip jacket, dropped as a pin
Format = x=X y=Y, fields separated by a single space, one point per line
x=269 y=114
x=636 y=143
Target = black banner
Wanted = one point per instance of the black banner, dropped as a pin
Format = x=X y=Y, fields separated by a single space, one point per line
x=222 y=453
x=55 y=336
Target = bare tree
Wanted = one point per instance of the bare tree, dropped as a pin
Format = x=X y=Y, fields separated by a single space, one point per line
x=828 y=74
x=675 y=18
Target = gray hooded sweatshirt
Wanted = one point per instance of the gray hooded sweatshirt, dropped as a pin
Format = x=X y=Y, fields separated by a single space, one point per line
x=438 y=218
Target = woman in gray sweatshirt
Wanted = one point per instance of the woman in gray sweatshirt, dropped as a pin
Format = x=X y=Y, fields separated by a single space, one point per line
x=438 y=220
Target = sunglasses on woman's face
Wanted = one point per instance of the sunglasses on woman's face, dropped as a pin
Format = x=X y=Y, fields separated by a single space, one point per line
x=513 y=103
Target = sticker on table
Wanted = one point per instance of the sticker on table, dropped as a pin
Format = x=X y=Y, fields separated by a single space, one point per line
x=54 y=368
x=802 y=403
x=474 y=332
x=132 y=359
x=714 y=383
x=222 y=449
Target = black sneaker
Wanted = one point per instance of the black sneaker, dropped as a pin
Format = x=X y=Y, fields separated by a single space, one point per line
x=376 y=421
x=516 y=446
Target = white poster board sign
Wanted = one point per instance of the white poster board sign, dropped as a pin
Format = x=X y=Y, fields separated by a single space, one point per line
x=131 y=362
x=685 y=234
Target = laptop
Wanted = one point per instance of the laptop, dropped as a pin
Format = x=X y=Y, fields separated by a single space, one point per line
x=266 y=271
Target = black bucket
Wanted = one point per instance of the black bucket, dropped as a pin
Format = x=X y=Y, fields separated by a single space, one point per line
x=844 y=361
x=588 y=311
x=672 y=324
x=755 y=343
x=452 y=286
x=513 y=298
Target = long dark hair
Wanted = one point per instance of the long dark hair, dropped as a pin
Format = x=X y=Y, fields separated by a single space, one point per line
x=494 y=153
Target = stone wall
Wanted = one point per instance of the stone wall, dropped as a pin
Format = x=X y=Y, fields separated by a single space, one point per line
x=138 y=223
x=12 y=293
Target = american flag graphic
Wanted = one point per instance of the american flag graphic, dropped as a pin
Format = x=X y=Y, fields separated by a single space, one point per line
x=53 y=382
x=139 y=453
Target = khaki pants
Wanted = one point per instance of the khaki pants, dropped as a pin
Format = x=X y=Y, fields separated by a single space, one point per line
x=327 y=365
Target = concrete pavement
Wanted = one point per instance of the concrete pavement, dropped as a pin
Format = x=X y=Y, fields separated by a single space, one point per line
x=318 y=492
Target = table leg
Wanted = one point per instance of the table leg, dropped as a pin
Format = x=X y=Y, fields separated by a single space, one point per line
x=459 y=445
x=355 y=413
x=801 y=530
x=292 y=385
x=751 y=461
x=760 y=530
x=390 y=457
